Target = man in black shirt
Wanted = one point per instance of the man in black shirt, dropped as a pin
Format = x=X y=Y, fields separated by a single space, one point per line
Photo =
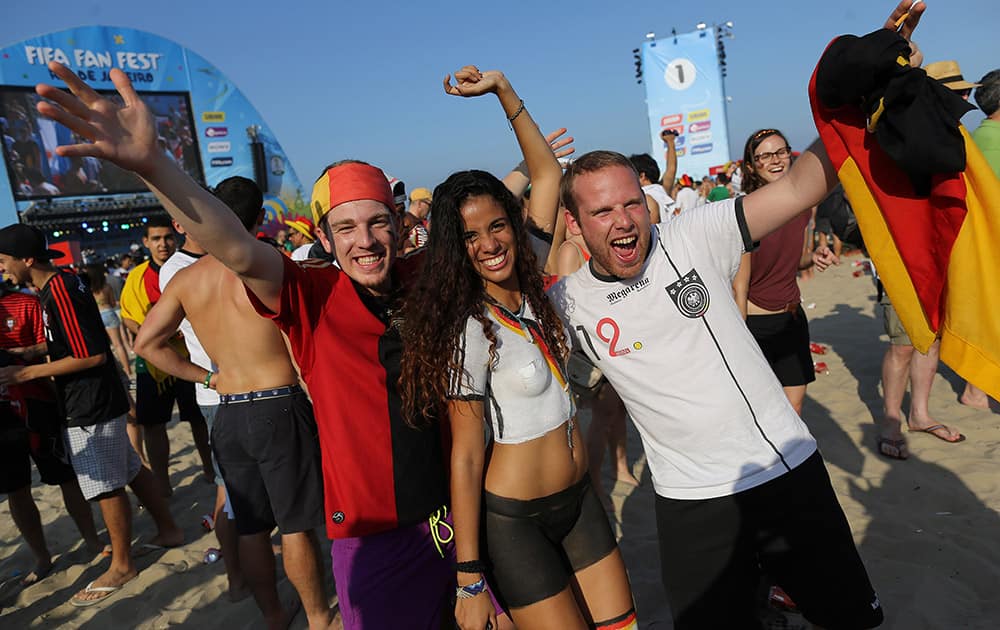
x=95 y=404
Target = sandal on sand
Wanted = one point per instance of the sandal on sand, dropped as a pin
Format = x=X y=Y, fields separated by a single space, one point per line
x=893 y=449
x=937 y=427
x=105 y=591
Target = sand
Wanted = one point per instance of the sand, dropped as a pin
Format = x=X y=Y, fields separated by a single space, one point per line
x=927 y=528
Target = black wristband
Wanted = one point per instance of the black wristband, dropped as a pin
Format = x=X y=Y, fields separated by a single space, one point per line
x=471 y=566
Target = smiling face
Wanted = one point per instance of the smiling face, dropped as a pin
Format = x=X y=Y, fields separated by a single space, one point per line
x=490 y=243
x=613 y=219
x=362 y=236
x=772 y=158
x=16 y=268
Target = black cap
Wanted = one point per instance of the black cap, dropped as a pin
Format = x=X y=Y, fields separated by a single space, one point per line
x=24 y=241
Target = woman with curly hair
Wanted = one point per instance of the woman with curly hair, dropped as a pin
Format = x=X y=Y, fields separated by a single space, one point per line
x=765 y=286
x=483 y=344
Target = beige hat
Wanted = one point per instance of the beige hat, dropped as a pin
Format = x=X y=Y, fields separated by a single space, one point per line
x=949 y=74
x=420 y=193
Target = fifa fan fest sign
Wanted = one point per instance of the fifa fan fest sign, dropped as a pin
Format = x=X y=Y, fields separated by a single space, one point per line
x=204 y=123
x=684 y=93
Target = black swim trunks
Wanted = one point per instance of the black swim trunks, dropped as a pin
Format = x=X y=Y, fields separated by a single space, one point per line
x=154 y=402
x=268 y=451
x=39 y=439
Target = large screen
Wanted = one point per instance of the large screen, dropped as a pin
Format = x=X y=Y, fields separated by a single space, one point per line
x=35 y=171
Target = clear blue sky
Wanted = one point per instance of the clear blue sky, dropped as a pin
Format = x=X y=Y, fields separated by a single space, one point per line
x=363 y=79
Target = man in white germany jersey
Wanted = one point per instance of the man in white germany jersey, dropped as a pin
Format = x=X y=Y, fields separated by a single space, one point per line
x=739 y=483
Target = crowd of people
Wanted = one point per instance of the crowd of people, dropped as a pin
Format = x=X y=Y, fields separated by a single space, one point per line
x=449 y=469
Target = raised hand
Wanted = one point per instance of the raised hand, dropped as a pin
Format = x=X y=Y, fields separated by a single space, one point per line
x=560 y=146
x=122 y=134
x=905 y=17
x=470 y=81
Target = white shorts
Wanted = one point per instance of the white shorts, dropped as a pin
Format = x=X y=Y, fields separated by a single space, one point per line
x=102 y=457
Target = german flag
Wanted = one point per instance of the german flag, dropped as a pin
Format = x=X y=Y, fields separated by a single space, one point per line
x=937 y=255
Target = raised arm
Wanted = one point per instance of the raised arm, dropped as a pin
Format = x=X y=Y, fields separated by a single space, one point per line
x=812 y=176
x=808 y=182
x=518 y=178
x=543 y=167
x=670 y=172
x=126 y=135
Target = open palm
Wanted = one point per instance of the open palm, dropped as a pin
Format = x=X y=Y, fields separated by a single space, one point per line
x=122 y=134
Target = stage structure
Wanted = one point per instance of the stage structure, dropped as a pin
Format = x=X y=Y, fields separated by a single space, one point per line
x=203 y=121
x=683 y=75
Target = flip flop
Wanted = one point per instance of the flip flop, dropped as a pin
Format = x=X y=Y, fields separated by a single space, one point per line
x=936 y=427
x=107 y=591
x=893 y=449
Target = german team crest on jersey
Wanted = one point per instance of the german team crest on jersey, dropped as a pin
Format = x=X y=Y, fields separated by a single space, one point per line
x=690 y=295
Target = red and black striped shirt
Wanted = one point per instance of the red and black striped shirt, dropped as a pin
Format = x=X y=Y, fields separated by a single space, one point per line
x=73 y=328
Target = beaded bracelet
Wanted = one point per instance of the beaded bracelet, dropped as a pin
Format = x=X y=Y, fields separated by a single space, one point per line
x=510 y=119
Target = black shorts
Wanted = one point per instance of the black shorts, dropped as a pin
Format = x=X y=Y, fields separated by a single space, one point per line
x=784 y=339
x=40 y=439
x=535 y=546
x=154 y=403
x=268 y=451
x=792 y=528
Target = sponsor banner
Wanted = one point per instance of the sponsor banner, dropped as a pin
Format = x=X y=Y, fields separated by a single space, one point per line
x=220 y=147
x=700 y=138
x=213 y=117
x=695 y=116
x=221 y=161
x=216 y=132
x=671 y=120
x=682 y=78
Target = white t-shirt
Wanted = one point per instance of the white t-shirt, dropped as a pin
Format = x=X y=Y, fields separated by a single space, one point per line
x=524 y=392
x=687 y=198
x=662 y=199
x=713 y=418
x=206 y=397
x=301 y=252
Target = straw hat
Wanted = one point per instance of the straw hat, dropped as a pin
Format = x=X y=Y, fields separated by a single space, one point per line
x=949 y=74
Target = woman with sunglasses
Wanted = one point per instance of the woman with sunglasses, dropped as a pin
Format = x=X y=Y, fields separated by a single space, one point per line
x=765 y=286
x=484 y=345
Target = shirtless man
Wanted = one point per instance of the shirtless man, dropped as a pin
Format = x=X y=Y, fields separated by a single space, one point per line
x=264 y=435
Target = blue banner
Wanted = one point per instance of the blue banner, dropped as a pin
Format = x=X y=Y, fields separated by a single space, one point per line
x=203 y=124
x=684 y=92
